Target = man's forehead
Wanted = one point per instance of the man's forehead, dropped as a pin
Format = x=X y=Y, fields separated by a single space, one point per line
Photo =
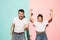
x=21 y=12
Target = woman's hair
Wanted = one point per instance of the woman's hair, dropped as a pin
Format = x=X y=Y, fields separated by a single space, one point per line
x=40 y=15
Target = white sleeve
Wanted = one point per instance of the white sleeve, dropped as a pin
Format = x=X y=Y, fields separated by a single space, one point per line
x=26 y=21
x=13 y=22
x=45 y=22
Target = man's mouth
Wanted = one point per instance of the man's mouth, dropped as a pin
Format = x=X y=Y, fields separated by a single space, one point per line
x=20 y=16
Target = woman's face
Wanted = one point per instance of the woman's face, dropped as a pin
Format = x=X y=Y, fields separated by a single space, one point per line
x=40 y=19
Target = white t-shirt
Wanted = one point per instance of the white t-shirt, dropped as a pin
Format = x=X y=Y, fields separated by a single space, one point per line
x=40 y=26
x=19 y=24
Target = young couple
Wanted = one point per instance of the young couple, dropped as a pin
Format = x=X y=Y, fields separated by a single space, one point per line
x=20 y=24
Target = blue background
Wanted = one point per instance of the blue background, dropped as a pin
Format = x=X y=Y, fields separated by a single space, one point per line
x=8 y=10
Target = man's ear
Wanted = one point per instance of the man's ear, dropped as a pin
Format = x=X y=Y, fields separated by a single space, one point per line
x=24 y=16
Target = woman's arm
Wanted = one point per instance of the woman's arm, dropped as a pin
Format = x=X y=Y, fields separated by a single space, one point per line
x=31 y=14
x=50 y=15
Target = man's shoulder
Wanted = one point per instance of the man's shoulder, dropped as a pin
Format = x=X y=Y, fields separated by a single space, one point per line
x=25 y=18
x=15 y=18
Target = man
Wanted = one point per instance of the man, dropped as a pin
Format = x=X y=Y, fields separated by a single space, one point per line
x=19 y=24
x=40 y=25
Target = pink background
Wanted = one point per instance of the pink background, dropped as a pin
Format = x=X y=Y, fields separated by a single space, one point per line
x=42 y=7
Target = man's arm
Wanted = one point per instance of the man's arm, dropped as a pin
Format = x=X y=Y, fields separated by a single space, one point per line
x=12 y=29
x=50 y=15
x=26 y=31
x=26 y=26
x=31 y=14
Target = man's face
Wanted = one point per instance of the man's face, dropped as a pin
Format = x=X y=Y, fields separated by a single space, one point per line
x=21 y=15
x=39 y=19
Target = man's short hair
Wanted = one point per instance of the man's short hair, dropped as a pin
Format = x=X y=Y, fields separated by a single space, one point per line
x=40 y=15
x=21 y=10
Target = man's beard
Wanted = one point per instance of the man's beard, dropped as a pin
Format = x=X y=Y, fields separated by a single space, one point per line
x=21 y=17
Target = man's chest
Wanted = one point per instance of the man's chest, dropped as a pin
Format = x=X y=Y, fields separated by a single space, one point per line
x=19 y=22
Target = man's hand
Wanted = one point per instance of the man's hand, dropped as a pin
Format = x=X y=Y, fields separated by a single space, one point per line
x=11 y=30
x=10 y=33
x=26 y=26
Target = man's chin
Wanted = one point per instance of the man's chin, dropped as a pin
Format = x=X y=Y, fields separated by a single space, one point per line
x=21 y=18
